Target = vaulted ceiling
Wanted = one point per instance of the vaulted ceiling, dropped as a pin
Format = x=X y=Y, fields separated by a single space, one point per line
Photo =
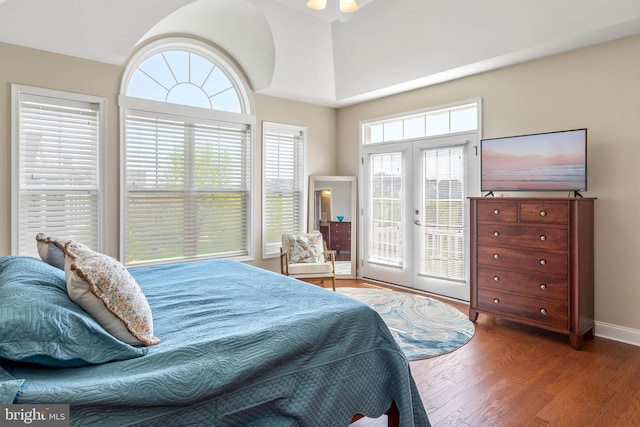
x=326 y=57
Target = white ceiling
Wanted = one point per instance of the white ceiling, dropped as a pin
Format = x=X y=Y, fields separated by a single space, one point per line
x=326 y=57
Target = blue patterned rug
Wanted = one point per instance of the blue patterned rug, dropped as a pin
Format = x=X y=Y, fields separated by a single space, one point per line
x=424 y=327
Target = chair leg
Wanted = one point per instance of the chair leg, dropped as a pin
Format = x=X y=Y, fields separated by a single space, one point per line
x=333 y=283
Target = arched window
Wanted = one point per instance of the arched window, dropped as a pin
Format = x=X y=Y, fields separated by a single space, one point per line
x=187 y=78
x=186 y=155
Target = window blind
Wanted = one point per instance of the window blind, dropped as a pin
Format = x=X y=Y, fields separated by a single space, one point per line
x=283 y=204
x=441 y=242
x=187 y=188
x=58 y=169
x=386 y=207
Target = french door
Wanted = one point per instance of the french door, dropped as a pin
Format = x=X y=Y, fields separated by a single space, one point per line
x=415 y=213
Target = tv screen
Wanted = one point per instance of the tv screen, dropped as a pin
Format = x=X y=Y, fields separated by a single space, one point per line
x=552 y=161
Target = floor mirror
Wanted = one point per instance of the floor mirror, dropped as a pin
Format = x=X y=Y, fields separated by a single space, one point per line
x=332 y=211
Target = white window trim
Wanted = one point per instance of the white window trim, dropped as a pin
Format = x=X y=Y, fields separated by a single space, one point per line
x=201 y=48
x=273 y=250
x=405 y=114
x=16 y=91
x=472 y=178
x=247 y=117
x=451 y=105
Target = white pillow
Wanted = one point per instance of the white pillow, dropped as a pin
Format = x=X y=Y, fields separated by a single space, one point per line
x=103 y=287
x=51 y=249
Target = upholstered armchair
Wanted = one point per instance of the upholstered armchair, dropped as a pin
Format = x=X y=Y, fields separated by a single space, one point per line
x=305 y=257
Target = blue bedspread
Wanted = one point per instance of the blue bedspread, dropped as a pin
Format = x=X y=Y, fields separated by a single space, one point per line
x=240 y=346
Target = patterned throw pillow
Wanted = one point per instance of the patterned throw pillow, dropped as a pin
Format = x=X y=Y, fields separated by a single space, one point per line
x=51 y=249
x=103 y=287
x=305 y=248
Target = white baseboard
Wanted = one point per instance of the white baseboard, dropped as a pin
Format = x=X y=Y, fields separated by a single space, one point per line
x=617 y=333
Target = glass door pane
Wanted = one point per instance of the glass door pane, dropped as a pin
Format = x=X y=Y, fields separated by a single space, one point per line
x=386 y=214
x=440 y=231
x=385 y=243
x=415 y=213
x=445 y=173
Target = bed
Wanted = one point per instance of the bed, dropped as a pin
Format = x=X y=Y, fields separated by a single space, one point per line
x=239 y=346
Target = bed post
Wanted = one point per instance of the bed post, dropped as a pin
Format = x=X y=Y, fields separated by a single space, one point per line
x=393 y=416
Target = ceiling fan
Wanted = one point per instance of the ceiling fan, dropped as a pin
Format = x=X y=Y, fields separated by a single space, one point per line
x=346 y=6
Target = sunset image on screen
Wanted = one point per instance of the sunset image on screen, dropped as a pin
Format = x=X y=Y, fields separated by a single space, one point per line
x=551 y=161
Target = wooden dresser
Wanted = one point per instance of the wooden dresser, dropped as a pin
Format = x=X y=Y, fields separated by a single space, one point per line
x=532 y=262
x=339 y=238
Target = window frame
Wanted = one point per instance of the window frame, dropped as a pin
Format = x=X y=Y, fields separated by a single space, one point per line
x=205 y=50
x=400 y=120
x=272 y=249
x=17 y=91
x=471 y=140
x=181 y=111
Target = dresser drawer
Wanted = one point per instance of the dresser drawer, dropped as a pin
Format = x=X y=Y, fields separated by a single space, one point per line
x=340 y=227
x=498 y=211
x=552 y=314
x=526 y=237
x=340 y=238
x=545 y=286
x=544 y=212
x=538 y=261
x=341 y=243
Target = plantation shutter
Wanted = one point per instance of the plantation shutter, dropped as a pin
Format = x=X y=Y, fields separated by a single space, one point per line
x=58 y=164
x=442 y=239
x=284 y=175
x=187 y=188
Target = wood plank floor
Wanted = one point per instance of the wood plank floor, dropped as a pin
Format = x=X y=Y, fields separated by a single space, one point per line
x=515 y=375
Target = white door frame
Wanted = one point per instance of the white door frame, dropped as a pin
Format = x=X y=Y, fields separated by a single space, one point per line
x=404 y=274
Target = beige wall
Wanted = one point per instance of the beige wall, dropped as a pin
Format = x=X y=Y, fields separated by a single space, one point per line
x=597 y=88
x=41 y=69
x=321 y=148
x=47 y=70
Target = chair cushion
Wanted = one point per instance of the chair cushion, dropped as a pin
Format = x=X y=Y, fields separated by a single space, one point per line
x=310 y=268
x=305 y=248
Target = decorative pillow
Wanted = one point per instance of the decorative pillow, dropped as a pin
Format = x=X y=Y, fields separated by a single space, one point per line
x=51 y=249
x=104 y=288
x=40 y=324
x=305 y=248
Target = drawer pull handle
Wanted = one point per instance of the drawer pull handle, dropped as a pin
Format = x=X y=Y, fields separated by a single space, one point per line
x=543 y=286
x=543 y=262
x=496 y=211
x=496 y=234
x=543 y=311
x=496 y=301
x=496 y=279
x=496 y=256
x=543 y=213
x=543 y=237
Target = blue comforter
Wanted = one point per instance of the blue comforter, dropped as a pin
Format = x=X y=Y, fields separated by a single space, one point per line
x=240 y=346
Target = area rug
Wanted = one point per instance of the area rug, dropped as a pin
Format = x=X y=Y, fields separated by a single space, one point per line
x=422 y=326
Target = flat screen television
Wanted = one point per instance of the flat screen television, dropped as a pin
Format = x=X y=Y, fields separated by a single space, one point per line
x=551 y=161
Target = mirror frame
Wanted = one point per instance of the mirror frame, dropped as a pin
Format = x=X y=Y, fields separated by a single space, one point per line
x=354 y=215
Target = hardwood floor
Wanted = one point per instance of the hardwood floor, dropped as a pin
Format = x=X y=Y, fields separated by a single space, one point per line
x=515 y=375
